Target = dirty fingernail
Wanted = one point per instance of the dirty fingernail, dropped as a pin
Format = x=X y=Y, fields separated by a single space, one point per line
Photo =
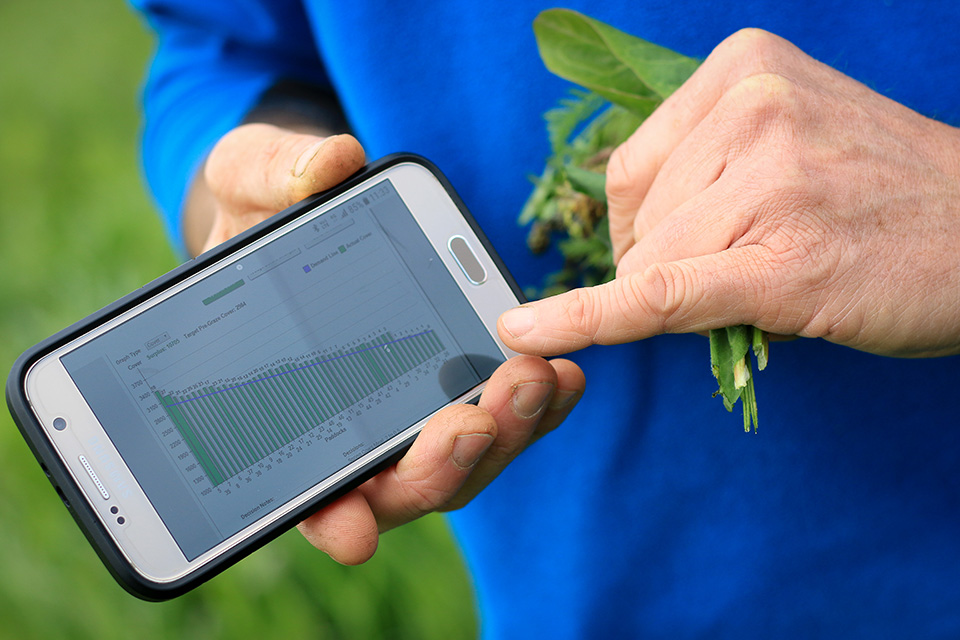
x=519 y=321
x=530 y=398
x=308 y=154
x=468 y=449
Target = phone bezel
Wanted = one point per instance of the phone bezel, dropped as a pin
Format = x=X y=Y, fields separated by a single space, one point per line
x=422 y=187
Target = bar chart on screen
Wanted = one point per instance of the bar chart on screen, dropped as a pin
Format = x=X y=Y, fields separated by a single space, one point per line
x=231 y=423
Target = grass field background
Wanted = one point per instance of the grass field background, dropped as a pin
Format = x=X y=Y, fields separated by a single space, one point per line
x=77 y=230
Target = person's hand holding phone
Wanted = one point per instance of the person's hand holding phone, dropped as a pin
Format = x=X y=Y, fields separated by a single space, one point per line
x=257 y=170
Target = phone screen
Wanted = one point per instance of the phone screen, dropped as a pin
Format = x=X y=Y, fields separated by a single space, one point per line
x=241 y=391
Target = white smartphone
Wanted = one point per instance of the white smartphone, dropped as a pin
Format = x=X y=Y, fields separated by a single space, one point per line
x=198 y=418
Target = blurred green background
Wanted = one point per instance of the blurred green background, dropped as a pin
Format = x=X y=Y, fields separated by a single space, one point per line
x=77 y=230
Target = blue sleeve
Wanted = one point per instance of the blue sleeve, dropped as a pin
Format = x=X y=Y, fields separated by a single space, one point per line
x=214 y=59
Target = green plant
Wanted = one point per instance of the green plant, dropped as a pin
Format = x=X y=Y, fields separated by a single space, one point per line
x=625 y=78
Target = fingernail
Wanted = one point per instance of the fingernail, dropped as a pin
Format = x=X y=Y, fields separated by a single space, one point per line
x=519 y=321
x=468 y=449
x=561 y=399
x=308 y=154
x=530 y=398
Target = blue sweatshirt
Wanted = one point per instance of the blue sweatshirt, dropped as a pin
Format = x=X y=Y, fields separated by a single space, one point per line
x=649 y=513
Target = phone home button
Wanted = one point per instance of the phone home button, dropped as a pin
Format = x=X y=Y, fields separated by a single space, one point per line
x=467 y=260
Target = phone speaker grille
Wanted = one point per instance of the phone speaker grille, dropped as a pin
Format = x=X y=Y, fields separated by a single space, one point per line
x=93 y=476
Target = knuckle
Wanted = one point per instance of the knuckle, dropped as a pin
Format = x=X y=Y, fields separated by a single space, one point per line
x=753 y=64
x=664 y=290
x=582 y=314
x=752 y=38
x=424 y=497
x=274 y=156
x=748 y=48
x=761 y=96
x=639 y=304
x=249 y=151
x=620 y=178
x=762 y=106
x=425 y=484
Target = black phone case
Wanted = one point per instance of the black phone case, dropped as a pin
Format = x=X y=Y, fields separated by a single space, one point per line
x=57 y=472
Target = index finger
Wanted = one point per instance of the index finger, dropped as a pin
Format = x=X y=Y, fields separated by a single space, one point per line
x=697 y=294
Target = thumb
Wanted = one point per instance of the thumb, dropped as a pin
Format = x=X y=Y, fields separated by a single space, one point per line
x=690 y=295
x=263 y=167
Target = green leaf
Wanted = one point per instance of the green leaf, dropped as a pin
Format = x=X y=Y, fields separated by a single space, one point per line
x=544 y=190
x=584 y=249
x=569 y=116
x=739 y=337
x=761 y=347
x=612 y=127
x=730 y=360
x=626 y=70
x=591 y=183
x=721 y=361
x=749 y=399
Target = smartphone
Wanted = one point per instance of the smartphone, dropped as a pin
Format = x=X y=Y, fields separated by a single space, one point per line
x=196 y=419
